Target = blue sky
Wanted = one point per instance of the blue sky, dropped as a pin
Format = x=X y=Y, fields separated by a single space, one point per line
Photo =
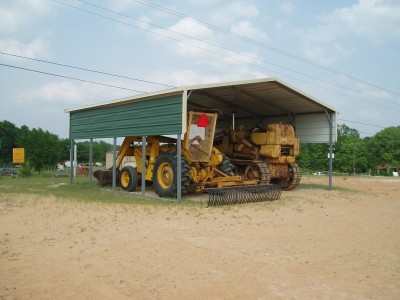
x=344 y=53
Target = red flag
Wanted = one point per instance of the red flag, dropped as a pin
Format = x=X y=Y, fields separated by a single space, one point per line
x=202 y=121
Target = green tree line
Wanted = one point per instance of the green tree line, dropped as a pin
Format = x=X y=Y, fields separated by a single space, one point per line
x=354 y=155
x=44 y=150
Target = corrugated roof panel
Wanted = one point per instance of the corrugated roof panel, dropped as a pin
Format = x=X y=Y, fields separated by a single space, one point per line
x=314 y=128
x=253 y=100
x=152 y=117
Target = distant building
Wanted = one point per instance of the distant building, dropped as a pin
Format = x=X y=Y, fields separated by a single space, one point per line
x=127 y=161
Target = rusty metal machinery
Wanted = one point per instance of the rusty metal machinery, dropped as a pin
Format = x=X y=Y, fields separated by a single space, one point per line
x=243 y=194
x=202 y=165
x=268 y=156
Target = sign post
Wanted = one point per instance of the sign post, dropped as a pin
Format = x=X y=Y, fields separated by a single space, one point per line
x=18 y=155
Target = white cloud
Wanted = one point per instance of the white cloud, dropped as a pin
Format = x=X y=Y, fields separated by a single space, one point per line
x=54 y=92
x=324 y=55
x=123 y=5
x=243 y=10
x=342 y=50
x=190 y=77
x=203 y=2
x=367 y=18
x=245 y=28
x=189 y=27
x=287 y=7
x=204 y=53
x=191 y=49
x=370 y=20
x=281 y=24
x=241 y=58
x=18 y=34
x=64 y=94
x=319 y=54
x=38 y=48
x=143 y=22
x=183 y=31
x=16 y=14
x=234 y=11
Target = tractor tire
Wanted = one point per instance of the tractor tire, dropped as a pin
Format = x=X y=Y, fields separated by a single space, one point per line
x=165 y=175
x=128 y=178
x=226 y=165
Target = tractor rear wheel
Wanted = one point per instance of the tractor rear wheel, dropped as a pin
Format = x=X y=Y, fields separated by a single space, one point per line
x=165 y=175
x=128 y=178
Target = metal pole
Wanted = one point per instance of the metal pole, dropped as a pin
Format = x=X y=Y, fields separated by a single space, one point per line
x=143 y=165
x=75 y=158
x=90 y=162
x=330 y=151
x=179 y=167
x=71 y=159
x=354 y=158
x=114 y=169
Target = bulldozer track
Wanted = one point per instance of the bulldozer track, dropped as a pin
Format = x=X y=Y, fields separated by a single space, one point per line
x=296 y=178
x=265 y=177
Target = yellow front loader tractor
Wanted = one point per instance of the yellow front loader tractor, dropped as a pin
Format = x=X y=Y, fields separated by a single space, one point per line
x=203 y=167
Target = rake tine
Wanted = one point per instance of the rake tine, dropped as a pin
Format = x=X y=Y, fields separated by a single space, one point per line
x=243 y=194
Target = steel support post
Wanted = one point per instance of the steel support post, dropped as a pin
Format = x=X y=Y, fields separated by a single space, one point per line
x=329 y=115
x=75 y=164
x=114 y=168
x=90 y=162
x=143 y=165
x=71 y=162
x=179 y=167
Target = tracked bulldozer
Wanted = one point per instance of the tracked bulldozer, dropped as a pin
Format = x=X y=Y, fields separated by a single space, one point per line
x=268 y=156
x=204 y=168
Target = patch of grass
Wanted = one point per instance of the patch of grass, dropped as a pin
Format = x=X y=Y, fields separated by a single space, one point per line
x=79 y=191
x=61 y=188
x=324 y=187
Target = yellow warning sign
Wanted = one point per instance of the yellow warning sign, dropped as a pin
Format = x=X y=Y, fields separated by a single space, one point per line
x=18 y=155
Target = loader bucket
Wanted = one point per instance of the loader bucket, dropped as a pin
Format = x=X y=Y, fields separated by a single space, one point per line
x=104 y=177
x=243 y=194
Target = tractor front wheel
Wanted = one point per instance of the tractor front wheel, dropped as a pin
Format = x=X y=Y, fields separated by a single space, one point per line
x=128 y=178
x=165 y=175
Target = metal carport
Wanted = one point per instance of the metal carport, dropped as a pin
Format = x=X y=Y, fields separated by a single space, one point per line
x=254 y=103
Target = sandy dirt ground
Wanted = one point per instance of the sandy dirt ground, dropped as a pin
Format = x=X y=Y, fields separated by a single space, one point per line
x=311 y=244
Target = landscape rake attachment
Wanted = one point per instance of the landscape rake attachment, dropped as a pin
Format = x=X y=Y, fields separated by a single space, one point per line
x=243 y=194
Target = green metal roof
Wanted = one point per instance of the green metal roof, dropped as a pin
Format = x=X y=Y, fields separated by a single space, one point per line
x=254 y=102
x=152 y=117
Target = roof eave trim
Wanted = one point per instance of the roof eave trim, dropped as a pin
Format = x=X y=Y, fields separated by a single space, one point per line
x=136 y=98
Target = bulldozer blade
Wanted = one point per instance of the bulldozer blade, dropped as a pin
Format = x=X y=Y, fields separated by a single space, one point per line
x=243 y=194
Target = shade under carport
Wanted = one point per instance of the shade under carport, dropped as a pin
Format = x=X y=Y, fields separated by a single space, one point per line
x=258 y=102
